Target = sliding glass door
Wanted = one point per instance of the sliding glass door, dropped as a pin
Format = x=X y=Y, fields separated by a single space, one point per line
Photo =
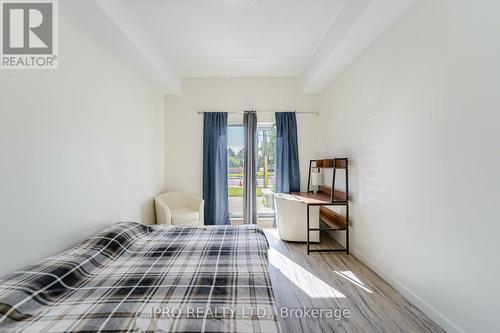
x=266 y=170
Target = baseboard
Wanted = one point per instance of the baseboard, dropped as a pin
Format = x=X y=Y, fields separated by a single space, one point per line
x=409 y=295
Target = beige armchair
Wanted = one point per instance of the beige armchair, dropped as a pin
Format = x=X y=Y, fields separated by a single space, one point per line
x=179 y=209
x=291 y=217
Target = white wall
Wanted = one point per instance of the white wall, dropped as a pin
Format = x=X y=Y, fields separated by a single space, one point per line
x=418 y=113
x=184 y=127
x=81 y=147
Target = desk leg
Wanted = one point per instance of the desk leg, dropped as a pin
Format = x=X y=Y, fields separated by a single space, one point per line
x=347 y=230
x=307 y=212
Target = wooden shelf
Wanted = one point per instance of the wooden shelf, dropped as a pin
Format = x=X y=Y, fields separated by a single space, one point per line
x=332 y=219
x=321 y=198
x=340 y=163
x=327 y=163
x=338 y=196
x=312 y=198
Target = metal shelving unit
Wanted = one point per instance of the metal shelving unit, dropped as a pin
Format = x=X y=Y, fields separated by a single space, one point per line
x=328 y=196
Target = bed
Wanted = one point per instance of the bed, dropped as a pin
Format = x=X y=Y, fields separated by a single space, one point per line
x=141 y=278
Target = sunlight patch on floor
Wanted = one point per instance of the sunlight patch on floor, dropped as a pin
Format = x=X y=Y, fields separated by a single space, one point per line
x=309 y=283
x=349 y=276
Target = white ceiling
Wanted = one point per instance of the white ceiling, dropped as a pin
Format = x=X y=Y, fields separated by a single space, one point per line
x=238 y=37
x=171 y=39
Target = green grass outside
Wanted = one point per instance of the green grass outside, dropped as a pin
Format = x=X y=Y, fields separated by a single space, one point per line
x=237 y=191
x=240 y=175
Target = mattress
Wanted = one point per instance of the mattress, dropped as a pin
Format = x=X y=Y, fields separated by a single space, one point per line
x=140 y=278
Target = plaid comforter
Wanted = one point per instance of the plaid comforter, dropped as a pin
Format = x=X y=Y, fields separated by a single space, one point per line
x=139 y=278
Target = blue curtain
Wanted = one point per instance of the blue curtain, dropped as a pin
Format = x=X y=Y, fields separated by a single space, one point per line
x=215 y=168
x=287 y=153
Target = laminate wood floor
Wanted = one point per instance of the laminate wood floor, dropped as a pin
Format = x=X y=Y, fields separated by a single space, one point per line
x=336 y=282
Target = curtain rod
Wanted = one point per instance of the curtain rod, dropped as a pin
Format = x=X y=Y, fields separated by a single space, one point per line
x=296 y=111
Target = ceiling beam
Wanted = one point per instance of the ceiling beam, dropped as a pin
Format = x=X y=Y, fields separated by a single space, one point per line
x=113 y=22
x=357 y=25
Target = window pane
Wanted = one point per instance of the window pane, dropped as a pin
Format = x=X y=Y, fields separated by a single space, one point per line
x=266 y=169
x=235 y=170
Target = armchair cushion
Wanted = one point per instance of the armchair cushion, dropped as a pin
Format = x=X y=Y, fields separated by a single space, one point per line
x=183 y=215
